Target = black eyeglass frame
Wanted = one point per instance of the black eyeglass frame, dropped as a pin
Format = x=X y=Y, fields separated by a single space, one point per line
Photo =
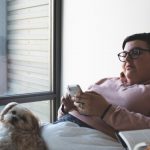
x=130 y=53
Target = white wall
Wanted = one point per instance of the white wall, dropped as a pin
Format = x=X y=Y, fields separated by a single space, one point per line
x=93 y=31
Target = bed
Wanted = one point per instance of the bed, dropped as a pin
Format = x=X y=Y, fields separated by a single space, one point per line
x=69 y=136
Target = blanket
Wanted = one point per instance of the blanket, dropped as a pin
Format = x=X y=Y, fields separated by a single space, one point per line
x=69 y=136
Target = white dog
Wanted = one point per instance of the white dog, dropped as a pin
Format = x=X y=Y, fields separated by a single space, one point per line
x=19 y=129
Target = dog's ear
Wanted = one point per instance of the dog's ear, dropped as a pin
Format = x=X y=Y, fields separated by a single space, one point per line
x=7 y=108
x=35 y=123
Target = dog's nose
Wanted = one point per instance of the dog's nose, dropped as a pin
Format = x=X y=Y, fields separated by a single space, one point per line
x=14 y=118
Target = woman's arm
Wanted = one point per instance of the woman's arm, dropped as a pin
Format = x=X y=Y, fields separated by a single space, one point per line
x=121 y=119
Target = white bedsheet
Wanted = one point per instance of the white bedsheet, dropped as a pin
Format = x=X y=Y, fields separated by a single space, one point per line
x=69 y=136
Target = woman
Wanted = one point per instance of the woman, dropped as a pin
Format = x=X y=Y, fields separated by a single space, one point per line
x=114 y=104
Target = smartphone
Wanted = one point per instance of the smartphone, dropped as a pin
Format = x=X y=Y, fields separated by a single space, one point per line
x=74 y=89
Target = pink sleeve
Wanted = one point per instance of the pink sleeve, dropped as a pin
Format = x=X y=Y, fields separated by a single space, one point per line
x=122 y=119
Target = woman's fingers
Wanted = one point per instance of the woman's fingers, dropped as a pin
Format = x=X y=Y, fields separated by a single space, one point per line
x=80 y=105
x=81 y=108
x=84 y=97
x=67 y=103
x=86 y=94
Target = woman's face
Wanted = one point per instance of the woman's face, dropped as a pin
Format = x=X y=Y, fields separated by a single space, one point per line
x=137 y=70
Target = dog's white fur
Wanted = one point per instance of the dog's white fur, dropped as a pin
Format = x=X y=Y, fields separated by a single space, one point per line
x=19 y=129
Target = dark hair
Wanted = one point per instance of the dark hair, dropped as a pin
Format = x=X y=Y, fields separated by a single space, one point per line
x=139 y=36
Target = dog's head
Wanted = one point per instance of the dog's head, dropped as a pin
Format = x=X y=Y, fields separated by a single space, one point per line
x=19 y=117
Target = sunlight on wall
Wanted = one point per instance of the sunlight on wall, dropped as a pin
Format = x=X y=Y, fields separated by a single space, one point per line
x=93 y=31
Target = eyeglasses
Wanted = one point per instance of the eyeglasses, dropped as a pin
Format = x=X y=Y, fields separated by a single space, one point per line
x=133 y=54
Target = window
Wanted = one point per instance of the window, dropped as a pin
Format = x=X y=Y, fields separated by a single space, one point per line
x=30 y=57
x=29 y=49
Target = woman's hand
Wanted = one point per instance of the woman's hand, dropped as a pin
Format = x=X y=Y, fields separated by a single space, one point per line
x=90 y=103
x=66 y=105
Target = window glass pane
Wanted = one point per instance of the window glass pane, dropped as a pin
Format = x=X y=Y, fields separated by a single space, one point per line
x=27 y=65
x=41 y=109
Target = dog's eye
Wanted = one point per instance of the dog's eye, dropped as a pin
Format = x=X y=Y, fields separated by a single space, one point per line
x=24 y=119
x=13 y=112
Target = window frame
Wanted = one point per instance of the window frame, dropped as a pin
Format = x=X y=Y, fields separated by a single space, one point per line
x=41 y=96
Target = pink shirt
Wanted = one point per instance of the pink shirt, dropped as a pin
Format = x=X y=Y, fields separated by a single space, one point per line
x=130 y=110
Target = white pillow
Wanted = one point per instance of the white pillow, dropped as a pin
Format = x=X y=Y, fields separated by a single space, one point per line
x=69 y=136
